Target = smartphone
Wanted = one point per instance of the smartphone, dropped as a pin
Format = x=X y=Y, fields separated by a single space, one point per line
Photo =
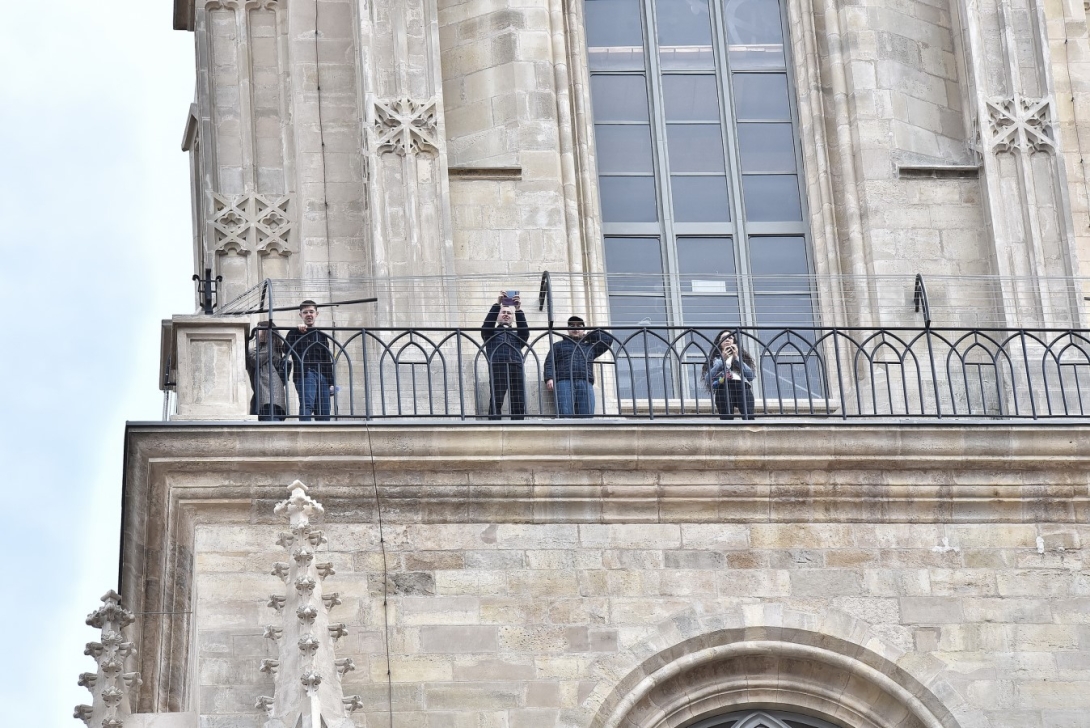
x=509 y=299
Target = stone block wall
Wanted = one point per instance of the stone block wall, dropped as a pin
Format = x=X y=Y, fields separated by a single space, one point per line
x=500 y=94
x=552 y=575
x=511 y=624
x=280 y=165
x=883 y=86
x=906 y=105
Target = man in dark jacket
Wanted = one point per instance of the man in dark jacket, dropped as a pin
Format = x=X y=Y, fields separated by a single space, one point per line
x=313 y=365
x=569 y=368
x=505 y=333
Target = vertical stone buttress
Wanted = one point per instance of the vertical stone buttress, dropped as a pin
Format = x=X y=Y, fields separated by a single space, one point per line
x=278 y=148
x=408 y=190
x=1013 y=94
x=307 y=672
x=111 y=685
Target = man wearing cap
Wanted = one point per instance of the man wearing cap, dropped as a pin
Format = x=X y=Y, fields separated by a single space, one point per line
x=569 y=368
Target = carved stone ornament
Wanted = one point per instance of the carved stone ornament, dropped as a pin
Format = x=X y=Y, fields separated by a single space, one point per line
x=1020 y=124
x=110 y=685
x=251 y=223
x=306 y=672
x=404 y=126
x=243 y=4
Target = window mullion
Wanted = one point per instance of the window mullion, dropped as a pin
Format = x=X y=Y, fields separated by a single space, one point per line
x=661 y=164
x=793 y=110
x=734 y=168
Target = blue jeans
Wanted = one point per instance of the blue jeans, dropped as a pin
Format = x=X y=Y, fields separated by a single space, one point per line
x=574 y=397
x=313 y=396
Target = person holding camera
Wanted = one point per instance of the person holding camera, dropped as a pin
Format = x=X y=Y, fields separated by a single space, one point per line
x=505 y=334
x=727 y=374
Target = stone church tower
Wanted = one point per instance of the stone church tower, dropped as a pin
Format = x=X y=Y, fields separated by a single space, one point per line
x=883 y=201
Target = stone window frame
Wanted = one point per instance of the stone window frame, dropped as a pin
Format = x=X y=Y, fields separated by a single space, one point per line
x=833 y=217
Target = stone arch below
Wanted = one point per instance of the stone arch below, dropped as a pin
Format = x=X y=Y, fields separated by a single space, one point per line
x=829 y=666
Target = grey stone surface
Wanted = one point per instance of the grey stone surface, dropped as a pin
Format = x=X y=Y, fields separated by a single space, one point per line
x=629 y=574
x=534 y=621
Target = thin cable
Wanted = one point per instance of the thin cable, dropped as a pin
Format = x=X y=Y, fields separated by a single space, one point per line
x=385 y=579
x=325 y=183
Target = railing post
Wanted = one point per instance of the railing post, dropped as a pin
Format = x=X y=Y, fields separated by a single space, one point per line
x=367 y=404
x=919 y=300
x=461 y=374
x=208 y=289
x=934 y=372
x=545 y=295
x=1029 y=380
x=839 y=376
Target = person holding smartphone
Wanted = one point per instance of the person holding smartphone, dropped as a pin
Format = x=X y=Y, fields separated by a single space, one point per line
x=505 y=334
x=727 y=374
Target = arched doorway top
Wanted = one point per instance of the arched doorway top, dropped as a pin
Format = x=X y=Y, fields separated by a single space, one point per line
x=830 y=666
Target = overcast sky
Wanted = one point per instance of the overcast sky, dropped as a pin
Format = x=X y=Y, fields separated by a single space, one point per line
x=94 y=208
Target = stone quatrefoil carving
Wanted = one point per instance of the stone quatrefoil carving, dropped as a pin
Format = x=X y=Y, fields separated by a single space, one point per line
x=247 y=223
x=404 y=126
x=1019 y=123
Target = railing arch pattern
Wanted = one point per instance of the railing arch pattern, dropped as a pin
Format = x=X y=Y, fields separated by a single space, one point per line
x=653 y=372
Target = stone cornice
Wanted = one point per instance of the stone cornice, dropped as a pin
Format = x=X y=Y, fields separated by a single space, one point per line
x=957 y=450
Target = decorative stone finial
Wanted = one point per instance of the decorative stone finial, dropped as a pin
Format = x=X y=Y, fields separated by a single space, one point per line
x=299 y=507
x=111 y=685
x=307 y=674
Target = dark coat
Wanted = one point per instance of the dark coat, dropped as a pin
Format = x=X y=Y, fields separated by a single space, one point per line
x=311 y=352
x=269 y=371
x=571 y=359
x=503 y=344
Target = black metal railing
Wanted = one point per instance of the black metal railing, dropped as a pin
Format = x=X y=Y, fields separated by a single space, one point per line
x=658 y=371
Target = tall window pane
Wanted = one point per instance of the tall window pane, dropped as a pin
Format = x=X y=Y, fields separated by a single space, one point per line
x=685 y=34
x=619 y=97
x=690 y=97
x=698 y=161
x=755 y=38
x=635 y=265
x=700 y=198
x=614 y=34
x=628 y=199
x=761 y=97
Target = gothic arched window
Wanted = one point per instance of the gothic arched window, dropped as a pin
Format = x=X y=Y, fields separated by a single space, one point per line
x=699 y=164
x=762 y=719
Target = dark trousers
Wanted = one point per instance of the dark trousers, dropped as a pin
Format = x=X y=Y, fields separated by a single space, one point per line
x=734 y=395
x=506 y=377
x=271 y=413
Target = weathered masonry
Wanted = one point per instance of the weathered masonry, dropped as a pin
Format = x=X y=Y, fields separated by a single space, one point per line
x=885 y=201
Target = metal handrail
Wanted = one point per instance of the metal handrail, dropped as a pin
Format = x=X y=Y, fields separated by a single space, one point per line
x=653 y=372
x=545 y=295
x=919 y=300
